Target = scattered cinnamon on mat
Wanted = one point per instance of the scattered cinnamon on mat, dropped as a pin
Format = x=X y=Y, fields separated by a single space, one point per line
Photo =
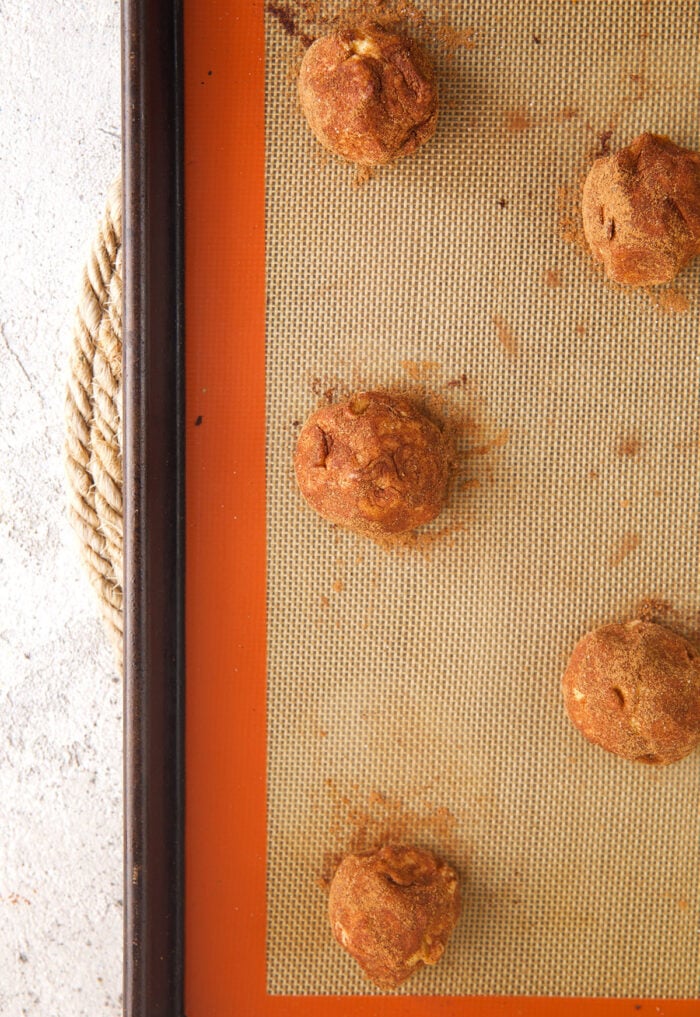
x=653 y=608
x=629 y=543
x=365 y=821
x=628 y=448
x=506 y=336
x=419 y=370
x=551 y=277
x=672 y=300
x=517 y=120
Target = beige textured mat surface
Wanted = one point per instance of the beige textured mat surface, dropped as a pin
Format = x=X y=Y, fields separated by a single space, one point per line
x=432 y=679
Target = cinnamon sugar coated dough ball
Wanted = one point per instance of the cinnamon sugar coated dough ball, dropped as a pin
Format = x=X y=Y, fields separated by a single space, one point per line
x=641 y=211
x=374 y=463
x=369 y=94
x=634 y=689
x=393 y=910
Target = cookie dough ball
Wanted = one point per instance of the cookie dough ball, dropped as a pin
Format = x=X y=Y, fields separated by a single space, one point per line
x=369 y=94
x=393 y=910
x=634 y=689
x=641 y=211
x=373 y=463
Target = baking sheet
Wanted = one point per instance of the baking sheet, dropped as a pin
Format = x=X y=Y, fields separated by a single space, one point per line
x=415 y=692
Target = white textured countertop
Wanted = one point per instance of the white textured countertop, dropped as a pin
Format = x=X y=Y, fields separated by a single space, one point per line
x=60 y=697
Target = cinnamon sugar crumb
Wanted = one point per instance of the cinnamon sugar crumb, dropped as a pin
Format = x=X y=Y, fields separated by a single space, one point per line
x=603 y=148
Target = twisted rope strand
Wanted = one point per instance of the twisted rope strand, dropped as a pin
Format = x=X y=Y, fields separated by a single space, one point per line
x=93 y=418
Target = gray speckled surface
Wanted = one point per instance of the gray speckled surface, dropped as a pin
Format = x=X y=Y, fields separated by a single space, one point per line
x=60 y=698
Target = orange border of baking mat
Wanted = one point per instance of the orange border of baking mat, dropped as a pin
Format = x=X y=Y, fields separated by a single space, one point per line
x=225 y=826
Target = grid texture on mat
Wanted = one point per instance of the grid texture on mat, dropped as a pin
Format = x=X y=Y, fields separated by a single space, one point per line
x=427 y=682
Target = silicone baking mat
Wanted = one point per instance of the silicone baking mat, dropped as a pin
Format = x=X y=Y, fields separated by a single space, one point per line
x=416 y=692
x=338 y=691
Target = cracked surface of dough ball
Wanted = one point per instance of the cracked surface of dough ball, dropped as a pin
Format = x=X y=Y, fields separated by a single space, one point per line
x=393 y=910
x=634 y=689
x=373 y=463
x=369 y=94
x=641 y=211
